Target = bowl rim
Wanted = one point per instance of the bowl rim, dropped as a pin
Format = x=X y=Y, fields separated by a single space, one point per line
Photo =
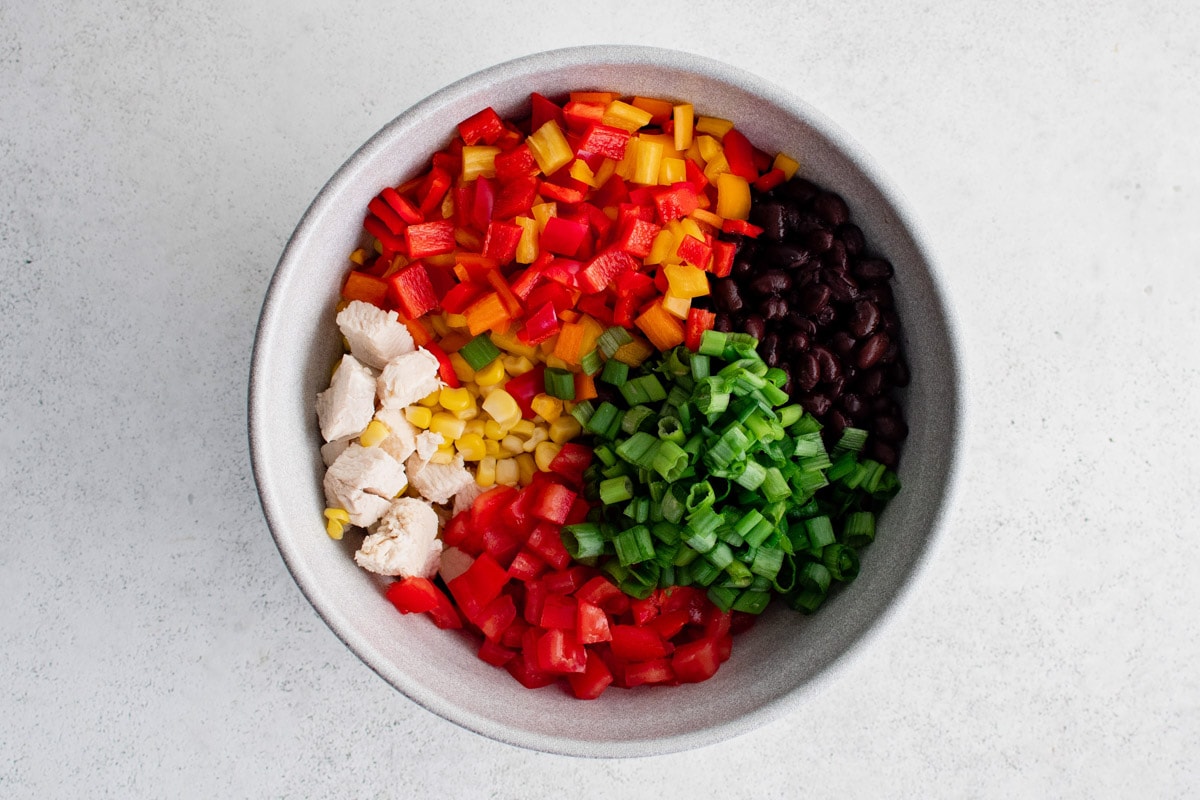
x=853 y=152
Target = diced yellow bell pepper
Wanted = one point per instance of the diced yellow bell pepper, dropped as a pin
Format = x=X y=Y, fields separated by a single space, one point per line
x=657 y=108
x=733 y=196
x=419 y=416
x=375 y=433
x=542 y=212
x=358 y=257
x=622 y=115
x=478 y=161
x=550 y=148
x=714 y=125
x=527 y=245
x=685 y=281
x=581 y=172
x=715 y=168
x=664 y=242
x=509 y=343
x=786 y=164
x=676 y=306
x=707 y=217
x=634 y=353
x=672 y=170
x=649 y=159
x=710 y=148
x=462 y=370
x=516 y=365
x=606 y=170
x=684 y=117
x=457 y=321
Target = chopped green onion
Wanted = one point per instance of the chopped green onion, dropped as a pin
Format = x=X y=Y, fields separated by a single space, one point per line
x=767 y=562
x=639 y=449
x=634 y=545
x=612 y=339
x=669 y=460
x=852 y=441
x=751 y=602
x=841 y=561
x=860 y=528
x=723 y=597
x=479 y=352
x=583 y=411
x=712 y=343
x=670 y=429
x=591 y=362
x=602 y=418
x=583 y=540
x=820 y=533
x=774 y=486
x=615 y=372
x=635 y=417
x=616 y=490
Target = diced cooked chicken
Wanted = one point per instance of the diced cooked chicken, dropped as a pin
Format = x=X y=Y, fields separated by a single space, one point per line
x=348 y=405
x=375 y=336
x=428 y=444
x=464 y=498
x=363 y=480
x=408 y=378
x=405 y=543
x=454 y=562
x=437 y=483
x=331 y=450
x=402 y=441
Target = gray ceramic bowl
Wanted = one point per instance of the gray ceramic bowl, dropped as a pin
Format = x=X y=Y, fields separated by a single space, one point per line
x=782 y=660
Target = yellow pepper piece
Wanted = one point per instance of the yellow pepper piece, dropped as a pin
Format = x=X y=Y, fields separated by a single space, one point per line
x=707 y=217
x=440 y=327
x=485 y=475
x=544 y=453
x=649 y=159
x=607 y=168
x=714 y=125
x=492 y=374
x=684 y=117
x=462 y=369
x=676 y=306
x=358 y=257
x=509 y=343
x=564 y=429
x=581 y=172
x=542 y=212
x=457 y=321
x=550 y=148
x=375 y=433
x=622 y=115
x=672 y=170
x=710 y=148
x=787 y=164
x=455 y=399
x=526 y=467
x=470 y=446
x=431 y=400
x=661 y=247
x=684 y=281
x=634 y=353
x=419 y=416
x=718 y=166
x=547 y=407
x=501 y=406
x=527 y=245
x=733 y=196
x=478 y=161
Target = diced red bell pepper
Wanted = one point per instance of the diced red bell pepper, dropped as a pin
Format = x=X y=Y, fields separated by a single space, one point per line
x=597 y=306
x=559 y=652
x=543 y=110
x=643 y=196
x=368 y=288
x=479 y=585
x=669 y=624
x=698 y=321
x=636 y=236
x=546 y=541
x=485 y=126
x=402 y=206
x=535 y=598
x=500 y=241
x=613 y=192
x=695 y=252
x=416 y=592
x=526 y=565
x=722 y=260
x=433 y=189
x=462 y=295
x=645 y=609
x=540 y=325
x=558 y=610
x=591 y=625
x=524 y=388
x=390 y=242
x=502 y=543
x=580 y=508
x=656 y=670
x=429 y=238
x=569 y=580
x=496 y=616
x=554 y=503
x=563 y=237
x=633 y=643
x=527 y=673
x=676 y=201
x=769 y=180
x=563 y=190
x=597 y=220
x=696 y=661
x=604 y=269
x=515 y=197
x=395 y=224
x=495 y=654
x=740 y=155
x=516 y=163
x=695 y=176
x=411 y=290
x=626 y=311
x=450 y=159
x=564 y=272
x=742 y=227
x=445 y=368
x=571 y=462
x=686 y=598
x=604 y=140
x=482 y=203
x=595 y=678
x=602 y=592
x=581 y=116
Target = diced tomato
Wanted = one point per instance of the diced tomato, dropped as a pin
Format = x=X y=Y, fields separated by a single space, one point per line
x=569 y=580
x=479 y=585
x=669 y=624
x=716 y=622
x=696 y=661
x=414 y=595
x=528 y=675
x=595 y=678
x=645 y=609
x=686 y=598
x=591 y=626
x=535 y=598
x=502 y=543
x=632 y=643
x=602 y=592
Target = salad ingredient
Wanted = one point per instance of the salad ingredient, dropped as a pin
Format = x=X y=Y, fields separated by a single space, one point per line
x=362 y=481
x=405 y=542
x=348 y=405
x=408 y=378
x=375 y=336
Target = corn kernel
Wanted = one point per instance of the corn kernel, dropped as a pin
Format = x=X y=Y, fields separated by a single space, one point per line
x=512 y=444
x=470 y=446
x=522 y=427
x=375 y=433
x=516 y=365
x=538 y=436
x=547 y=407
x=485 y=476
x=462 y=369
x=491 y=447
x=507 y=472
x=475 y=426
x=544 y=453
x=501 y=406
x=444 y=454
x=492 y=374
x=492 y=430
x=335 y=529
x=526 y=467
x=564 y=429
x=419 y=416
x=338 y=515
x=431 y=400
x=455 y=399
x=448 y=425
x=468 y=413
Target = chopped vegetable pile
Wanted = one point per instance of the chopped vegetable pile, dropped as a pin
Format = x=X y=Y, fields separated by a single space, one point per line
x=548 y=432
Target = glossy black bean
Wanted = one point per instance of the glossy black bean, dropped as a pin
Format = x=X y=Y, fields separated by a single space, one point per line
x=842 y=343
x=773 y=281
x=837 y=421
x=831 y=365
x=799 y=191
x=743 y=268
x=831 y=208
x=727 y=295
x=825 y=317
x=814 y=298
x=879 y=294
x=755 y=326
x=806 y=371
x=768 y=348
x=890 y=353
x=882 y=452
x=872 y=350
x=864 y=319
x=889 y=321
x=788 y=385
x=873 y=269
x=883 y=405
x=853 y=405
x=890 y=427
x=819 y=240
x=835 y=257
x=816 y=404
x=798 y=342
x=869 y=382
x=851 y=237
x=774 y=308
x=723 y=323
x=843 y=288
x=787 y=256
x=772 y=218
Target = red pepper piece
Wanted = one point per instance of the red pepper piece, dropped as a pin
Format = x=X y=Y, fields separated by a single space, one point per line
x=695 y=176
x=483 y=203
x=496 y=616
x=558 y=611
x=580 y=508
x=402 y=206
x=495 y=654
x=613 y=192
x=516 y=163
x=742 y=227
x=449 y=161
x=546 y=541
x=474 y=267
x=669 y=624
x=535 y=598
x=676 y=201
x=445 y=368
x=540 y=325
x=769 y=180
x=430 y=238
x=636 y=236
x=542 y=111
x=502 y=544
x=390 y=242
x=602 y=592
x=433 y=189
x=516 y=515
x=515 y=198
x=441 y=278
x=595 y=678
x=643 y=196
x=479 y=585
x=530 y=277
x=484 y=126
x=568 y=581
x=500 y=241
x=559 y=652
x=569 y=191
x=694 y=252
x=457 y=299
x=698 y=321
x=368 y=288
x=740 y=155
x=763 y=160
x=591 y=625
x=604 y=140
x=571 y=462
x=563 y=277
x=597 y=220
x=603 y=269
x=696 y=661
x=407 y=592
x=657 y=670
x=395 y=224
x=562 y=236
x=526 y=565
x=638 y=285
x=598 y=307
x=524 y=388
x=411 y=290
x=554 y=503
x=625 y=311
x=581 y=116
x=722 y=263
x=633 y=643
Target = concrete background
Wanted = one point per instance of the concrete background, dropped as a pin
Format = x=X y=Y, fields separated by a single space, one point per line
x=153 y=163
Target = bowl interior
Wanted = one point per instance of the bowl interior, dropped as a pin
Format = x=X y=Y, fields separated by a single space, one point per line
x=786 y=654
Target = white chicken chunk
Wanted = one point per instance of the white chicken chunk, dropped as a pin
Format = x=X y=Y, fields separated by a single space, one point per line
x=348 y=405
x=402 y=441
x=428 y=443
x=375 y=336
x=437 y=483
x=331 y=450
x=408 y=378
x=465 y=497
x=405 y=543
x=363 y=480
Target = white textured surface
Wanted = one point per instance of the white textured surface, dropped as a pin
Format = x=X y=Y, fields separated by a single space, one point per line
x=152 y=164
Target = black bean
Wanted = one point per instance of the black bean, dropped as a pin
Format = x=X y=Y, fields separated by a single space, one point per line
x=787 y=378
x=898 y=374
x=773 y=281
x=787 y=256
x=873 y=269
x=870 y=382
x=755 y=326
x=890 y=353
x=872 y=350
x=890 y=321
x=882 y=452
x=841 y=286
x=743 y=268
x=727 y=296
x=798 y=342
x=825 y=317
x=891 y=428
x=882 y=405
x=831 y=366
x=768 y=348
x=864 y=320
x=775 y=308
x=819 y=239
x=852 y=238
x=853 y=405
x=815 y=298
x=723 y=323
x=771 y=217
x=835 y=257
x=842 y=343
x=831 y=208
x=837 y=421
x=799 y=191
x=816 y=404
x=880 y=295
x=806 y=371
